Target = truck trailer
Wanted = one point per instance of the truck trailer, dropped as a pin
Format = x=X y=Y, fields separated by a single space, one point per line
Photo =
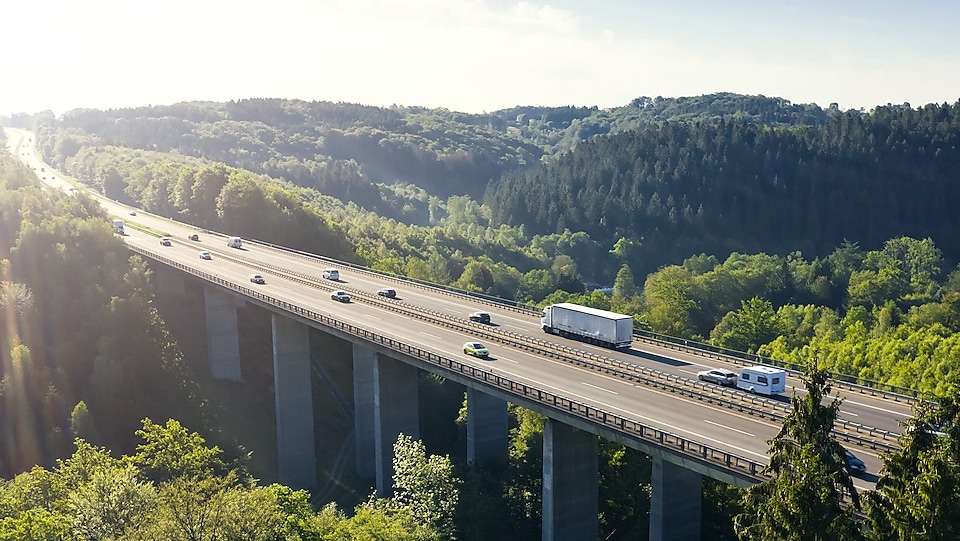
x=591 y=325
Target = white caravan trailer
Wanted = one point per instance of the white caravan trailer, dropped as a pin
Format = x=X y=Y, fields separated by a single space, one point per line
x=762 y=380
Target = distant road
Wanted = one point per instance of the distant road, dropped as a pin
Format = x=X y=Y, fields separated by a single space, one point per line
x=687 y=416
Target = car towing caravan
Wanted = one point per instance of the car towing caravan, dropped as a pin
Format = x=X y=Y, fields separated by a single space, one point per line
x=762 y=380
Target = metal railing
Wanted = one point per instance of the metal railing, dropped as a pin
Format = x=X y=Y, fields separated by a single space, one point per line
x=628 y=427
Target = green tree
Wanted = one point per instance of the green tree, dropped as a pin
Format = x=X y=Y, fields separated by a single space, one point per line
x=82 y=424
x=426 y=485
x=624 y=287
x=535 y=285
x=805 y=499
x=754 y=325
x=171 y=451
x=918 y=493
x=113 y=503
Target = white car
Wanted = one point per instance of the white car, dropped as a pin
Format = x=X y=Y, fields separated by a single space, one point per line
x=331 y=274
x=257 y=279
x=720 y=376
x=166 y=241
x=205 y=255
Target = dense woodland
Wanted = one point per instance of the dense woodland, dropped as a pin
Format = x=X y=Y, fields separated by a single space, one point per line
x=817 y=237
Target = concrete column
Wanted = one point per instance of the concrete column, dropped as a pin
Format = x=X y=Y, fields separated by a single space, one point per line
x=571 y=458
x=395 y=411
x=364 y=431
x=223 y=343
x=675 y=501
x=487 y=432
x=293 y=393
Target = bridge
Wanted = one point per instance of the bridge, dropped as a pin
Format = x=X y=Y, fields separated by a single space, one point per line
x=647 y=397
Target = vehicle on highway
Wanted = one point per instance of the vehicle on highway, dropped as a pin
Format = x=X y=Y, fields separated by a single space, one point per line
x=388 y=292
x=340 y=296
x=234 y=242
x=854 y=464
x=331 y=274
x=194 y=237
x=592 y=325
x=719 y=376
x=166 y=241
x=134 y=213
x=762 y=379
x=476 y=349
x=257 y=279
x=480 y=317
x=205 y=255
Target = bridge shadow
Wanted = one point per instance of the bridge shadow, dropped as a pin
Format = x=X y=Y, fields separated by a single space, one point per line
x=656 y=358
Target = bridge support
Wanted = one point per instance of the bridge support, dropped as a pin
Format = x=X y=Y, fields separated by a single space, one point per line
x=675 y=502
x=223 y=343
x=571 y=459
x=395 y=412
x=487 y=432
x=364 y=358
x=293 y=392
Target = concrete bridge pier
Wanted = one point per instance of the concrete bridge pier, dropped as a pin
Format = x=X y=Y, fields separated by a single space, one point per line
x=364 y=359
x=487 y=431
x=675 y=501
x=395 y=412
x=571 y=458
x=293 y=392
x=223 y=342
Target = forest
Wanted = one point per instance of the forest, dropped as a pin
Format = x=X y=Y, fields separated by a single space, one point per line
x=816 y=237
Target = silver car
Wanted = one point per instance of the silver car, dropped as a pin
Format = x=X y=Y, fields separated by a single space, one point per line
x=719 y=376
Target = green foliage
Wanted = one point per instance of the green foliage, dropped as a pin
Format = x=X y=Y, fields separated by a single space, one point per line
x=425 y=485
x=805 y=498
x=747 y=329
x=918 y=490
x=170 y=451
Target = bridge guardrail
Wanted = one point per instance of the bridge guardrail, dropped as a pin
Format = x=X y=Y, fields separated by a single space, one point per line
x=711 y=455
x=849 y=382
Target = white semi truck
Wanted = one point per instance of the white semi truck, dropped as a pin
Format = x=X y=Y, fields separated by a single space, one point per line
x=592 y=325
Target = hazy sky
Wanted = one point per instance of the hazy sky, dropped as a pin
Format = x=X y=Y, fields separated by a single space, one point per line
x=475 y=55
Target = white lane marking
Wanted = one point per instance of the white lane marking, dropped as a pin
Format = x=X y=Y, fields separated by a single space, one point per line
x=849 y=413
x=691 y=372
x=597 y=387
x=660 y=423
x=430 y=335
x=878 y=408
x=708 y=421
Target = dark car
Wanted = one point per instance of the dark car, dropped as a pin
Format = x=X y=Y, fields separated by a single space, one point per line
x=854 y=464
x=388 y=292
x=340 y=296
x=194 y=237
x=480 y=317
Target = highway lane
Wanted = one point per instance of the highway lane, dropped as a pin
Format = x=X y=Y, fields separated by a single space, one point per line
x=719 y=428
x=714 y=426
x=863 y=409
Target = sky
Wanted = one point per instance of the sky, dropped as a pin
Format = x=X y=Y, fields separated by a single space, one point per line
x=475 y=55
